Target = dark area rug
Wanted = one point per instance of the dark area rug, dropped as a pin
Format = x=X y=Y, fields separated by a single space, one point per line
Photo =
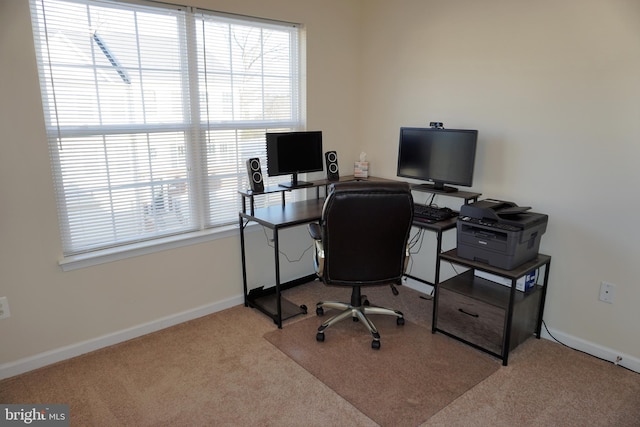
x=413 y=375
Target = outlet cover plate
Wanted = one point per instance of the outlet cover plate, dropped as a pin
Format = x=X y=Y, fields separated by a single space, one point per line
x=607 y=292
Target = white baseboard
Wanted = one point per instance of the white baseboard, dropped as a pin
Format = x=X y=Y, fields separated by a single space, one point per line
x=593 y=349
x=53 y=356
x=63 y=353
x=629 y=362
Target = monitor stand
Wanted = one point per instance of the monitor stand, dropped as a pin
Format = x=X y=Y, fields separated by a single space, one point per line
x=295 y=183
x=437 y=187
x=299 y=184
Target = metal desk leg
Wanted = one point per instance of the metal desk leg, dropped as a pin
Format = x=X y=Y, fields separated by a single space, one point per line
x=506 y=342
x=438 y=251
x=276 y=251
x=542 y=298
x=436 y=281
x=244 y=262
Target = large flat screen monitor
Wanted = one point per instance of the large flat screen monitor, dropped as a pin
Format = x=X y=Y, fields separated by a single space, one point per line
x=291 y=153
x=440 y=156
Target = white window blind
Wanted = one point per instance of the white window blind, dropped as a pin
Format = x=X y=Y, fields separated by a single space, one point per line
x=151 y=112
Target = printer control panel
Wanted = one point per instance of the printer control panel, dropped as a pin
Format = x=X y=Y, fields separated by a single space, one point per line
x=492 y=224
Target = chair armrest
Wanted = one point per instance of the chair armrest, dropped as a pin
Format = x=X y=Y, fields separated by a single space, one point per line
x=315 y=231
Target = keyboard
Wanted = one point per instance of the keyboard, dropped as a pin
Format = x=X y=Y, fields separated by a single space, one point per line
x=431 y=214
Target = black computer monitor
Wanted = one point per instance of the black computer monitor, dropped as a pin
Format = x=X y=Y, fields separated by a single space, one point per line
x=440 y=156
x=291 y=153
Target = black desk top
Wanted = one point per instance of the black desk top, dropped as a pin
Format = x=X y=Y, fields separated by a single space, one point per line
x=309 y=210
x=291 y=214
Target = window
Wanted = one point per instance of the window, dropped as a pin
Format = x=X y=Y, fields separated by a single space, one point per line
x=151 y=112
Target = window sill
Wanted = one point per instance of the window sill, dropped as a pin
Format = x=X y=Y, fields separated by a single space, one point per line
x=76 y=262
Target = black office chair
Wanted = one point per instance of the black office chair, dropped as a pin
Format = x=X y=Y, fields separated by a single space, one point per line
x=361 y=240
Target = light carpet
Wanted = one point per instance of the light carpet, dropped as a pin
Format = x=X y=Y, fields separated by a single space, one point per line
x=413 y=375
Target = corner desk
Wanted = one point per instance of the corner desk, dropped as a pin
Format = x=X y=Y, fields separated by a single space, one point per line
x=277 y=217
x=488 y=316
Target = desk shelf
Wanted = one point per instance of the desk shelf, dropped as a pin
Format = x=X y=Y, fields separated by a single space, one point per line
x=468 y=196
x=249 y=195
x=266 y=301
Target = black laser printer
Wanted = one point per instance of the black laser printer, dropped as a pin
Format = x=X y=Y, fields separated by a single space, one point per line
x=499 y=233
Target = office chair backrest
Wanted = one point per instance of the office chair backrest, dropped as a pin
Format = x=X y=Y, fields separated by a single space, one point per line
x=365 y=228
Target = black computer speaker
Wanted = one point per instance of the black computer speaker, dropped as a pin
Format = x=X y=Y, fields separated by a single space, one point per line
x=255 y=174
x=331 y=157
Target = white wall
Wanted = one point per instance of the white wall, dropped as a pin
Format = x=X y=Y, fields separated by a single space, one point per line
x=52 y=309
x=552 y=86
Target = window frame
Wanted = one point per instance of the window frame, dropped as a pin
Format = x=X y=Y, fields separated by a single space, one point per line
x=193 y=129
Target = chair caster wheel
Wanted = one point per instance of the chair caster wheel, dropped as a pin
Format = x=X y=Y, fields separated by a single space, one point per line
x=375 y=344
x=319 y=311
x=320 y=337
x=400 y=321
x=303 y=308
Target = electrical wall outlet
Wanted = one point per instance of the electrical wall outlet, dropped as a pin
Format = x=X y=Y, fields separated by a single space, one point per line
x=607 y=292
x=4 y=308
